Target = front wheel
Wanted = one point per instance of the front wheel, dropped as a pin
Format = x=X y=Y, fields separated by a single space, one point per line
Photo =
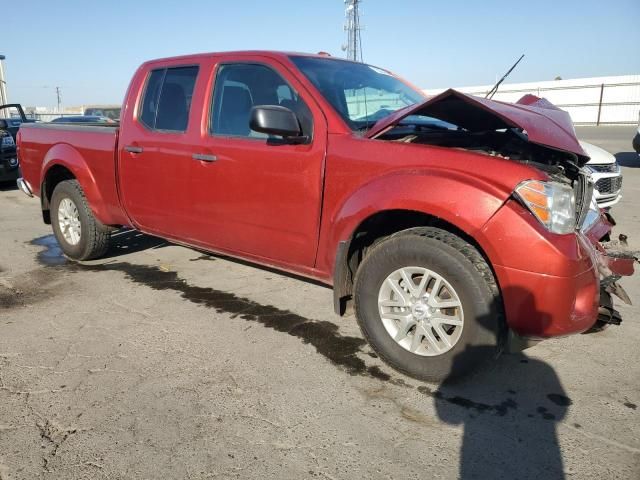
x=80 y=235
x=428 y=304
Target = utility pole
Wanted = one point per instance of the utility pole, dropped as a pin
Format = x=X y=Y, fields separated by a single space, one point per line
x=59 y=97
x=352 y=26
x=3 y=83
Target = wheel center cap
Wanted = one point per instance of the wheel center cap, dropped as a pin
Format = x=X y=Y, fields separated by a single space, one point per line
x=420 y=310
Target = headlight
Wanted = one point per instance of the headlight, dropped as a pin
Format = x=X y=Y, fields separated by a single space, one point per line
x=552 y=203
x=7 y=141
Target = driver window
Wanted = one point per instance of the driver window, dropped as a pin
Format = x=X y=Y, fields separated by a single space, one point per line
x=240 y=87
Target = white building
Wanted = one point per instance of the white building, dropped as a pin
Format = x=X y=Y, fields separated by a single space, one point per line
x=596 y=100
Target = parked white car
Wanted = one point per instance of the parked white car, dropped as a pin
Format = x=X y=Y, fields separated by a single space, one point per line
x=606 y=174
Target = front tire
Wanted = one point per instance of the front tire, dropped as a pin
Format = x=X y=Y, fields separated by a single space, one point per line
x=80 y=235
x=428 y=304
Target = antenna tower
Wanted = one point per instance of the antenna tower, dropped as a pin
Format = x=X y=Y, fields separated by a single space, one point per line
x=352 y=26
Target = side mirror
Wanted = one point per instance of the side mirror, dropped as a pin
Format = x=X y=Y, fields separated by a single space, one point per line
x=3 y=124
x=275 y=120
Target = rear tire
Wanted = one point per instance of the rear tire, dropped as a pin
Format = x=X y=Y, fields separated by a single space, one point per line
x=429 y=341
x=80 y=235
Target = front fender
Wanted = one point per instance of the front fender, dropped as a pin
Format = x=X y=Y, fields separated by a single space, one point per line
x=465 y=201
x=66 y=156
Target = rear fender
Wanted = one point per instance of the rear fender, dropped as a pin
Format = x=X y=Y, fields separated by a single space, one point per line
x=66 y=156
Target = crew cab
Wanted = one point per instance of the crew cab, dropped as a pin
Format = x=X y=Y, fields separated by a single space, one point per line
x=450 y=224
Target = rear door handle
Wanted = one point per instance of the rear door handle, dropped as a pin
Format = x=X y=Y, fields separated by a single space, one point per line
x=204 y=157
x=133 y=149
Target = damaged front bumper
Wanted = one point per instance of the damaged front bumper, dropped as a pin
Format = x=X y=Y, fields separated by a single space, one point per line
x=614 y=259
x=586 y=305
x=555 y=290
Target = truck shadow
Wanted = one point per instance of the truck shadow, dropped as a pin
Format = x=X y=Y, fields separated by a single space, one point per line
x=510 y=425
x=628 y=159
x=126 y=241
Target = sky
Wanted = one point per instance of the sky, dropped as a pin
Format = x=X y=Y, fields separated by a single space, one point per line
x=90 y=49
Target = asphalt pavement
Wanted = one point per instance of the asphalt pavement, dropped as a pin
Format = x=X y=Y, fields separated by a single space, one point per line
x=163 y=362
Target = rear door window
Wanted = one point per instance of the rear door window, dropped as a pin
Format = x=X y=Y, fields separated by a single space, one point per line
x=167 y=98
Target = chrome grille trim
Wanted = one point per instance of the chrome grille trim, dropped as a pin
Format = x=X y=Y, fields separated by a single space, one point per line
x=609 y=185
x=583 y=189
x=607 y=168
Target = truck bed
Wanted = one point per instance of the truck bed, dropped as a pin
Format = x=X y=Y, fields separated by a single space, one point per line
x=88 y=150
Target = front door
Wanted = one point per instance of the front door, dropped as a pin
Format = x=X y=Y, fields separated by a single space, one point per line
x=251 y=194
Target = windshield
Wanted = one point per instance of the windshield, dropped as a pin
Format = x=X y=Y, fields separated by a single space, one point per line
x=360 y=93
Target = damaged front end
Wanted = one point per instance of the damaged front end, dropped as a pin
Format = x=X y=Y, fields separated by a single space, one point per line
x=531 y=131
x=614 y=259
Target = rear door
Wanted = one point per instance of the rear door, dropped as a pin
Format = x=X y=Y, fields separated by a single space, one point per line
x=156 y=145
x=250 y=194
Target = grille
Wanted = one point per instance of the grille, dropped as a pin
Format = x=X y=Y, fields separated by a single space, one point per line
x=609 y=168
x=609 y=185
x=583 y=189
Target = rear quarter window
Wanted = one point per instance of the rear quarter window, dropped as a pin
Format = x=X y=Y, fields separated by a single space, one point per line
x=167 y=98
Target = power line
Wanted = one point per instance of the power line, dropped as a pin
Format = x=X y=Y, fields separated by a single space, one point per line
x=59 y=97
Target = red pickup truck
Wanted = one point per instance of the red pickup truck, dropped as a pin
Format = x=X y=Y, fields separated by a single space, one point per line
x=452 y=224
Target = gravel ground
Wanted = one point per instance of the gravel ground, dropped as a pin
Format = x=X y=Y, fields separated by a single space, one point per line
x=163 y=362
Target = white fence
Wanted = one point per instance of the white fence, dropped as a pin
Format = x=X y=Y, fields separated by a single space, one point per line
x=598 y=100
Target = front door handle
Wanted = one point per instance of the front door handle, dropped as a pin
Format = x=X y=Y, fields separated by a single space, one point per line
x=204 y=157
x=133 y=149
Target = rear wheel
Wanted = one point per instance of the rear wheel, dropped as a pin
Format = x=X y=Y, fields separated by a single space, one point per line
x=80 y=235
x=428 y=304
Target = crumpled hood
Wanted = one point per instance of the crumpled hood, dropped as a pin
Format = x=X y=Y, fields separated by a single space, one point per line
x=542 y=122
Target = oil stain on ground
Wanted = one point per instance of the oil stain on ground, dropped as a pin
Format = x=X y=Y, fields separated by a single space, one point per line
x=324 y=336
x=205 y=257
x=52 y=254
x=34 y=286
x=341 y=350
x=499 y=409
x=560 y=400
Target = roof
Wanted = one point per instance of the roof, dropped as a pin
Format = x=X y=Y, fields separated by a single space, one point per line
x=274 y=54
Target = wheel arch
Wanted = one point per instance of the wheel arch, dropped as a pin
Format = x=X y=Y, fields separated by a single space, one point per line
x=455 y=201
x=369 y=232
x=63 y=162
x=52 y=177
